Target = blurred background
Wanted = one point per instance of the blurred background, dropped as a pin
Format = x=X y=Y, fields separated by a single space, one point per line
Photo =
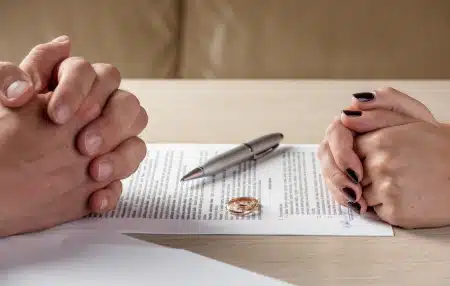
x=338 y=39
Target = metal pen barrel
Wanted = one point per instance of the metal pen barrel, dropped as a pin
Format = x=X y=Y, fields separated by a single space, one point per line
x=253 y=149
x=228 y=159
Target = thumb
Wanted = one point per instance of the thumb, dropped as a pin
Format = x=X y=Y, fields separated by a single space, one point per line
x=392 y=100
x=34 y=73
x=16 y=87
x=43 y=59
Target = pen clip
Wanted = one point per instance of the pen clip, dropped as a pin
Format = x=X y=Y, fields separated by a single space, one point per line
x=265 y=152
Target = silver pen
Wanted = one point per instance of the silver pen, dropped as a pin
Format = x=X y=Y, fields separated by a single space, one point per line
x=253 y=149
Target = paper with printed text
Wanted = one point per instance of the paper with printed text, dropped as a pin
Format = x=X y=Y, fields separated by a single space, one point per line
x=288 y=182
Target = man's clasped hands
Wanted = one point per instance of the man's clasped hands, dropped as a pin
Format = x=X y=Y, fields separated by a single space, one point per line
x=68 y=135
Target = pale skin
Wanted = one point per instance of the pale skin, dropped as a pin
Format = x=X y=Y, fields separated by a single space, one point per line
x=400 y=155
x=56 y=165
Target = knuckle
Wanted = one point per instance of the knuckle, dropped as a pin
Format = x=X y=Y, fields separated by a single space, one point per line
x=121 y=95
x=377 y=139
x=382 y=165
x=82 y=64
x=78 y=67
x=385 y=90
x=122 y=111
x=125 y=98
x=108 y=71
x=380 y=140
x=390 y=190
x=379 y=166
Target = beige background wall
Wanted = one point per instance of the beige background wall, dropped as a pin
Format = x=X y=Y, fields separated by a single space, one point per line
x=139 y=36
x=241 y=38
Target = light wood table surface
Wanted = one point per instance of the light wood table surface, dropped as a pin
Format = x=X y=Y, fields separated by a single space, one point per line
x=235 y=111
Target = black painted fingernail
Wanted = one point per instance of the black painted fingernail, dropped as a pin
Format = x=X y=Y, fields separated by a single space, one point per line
x=352 y=175
x=354 y=207
x=350 y=194
x=352 y=112
x=364 y=96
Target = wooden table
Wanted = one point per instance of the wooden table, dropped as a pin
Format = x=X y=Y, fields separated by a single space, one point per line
x=234 y=111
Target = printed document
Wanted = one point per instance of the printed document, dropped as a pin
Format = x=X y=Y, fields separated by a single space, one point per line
x=287 y=182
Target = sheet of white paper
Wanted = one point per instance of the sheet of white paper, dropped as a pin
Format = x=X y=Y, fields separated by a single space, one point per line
x=16 y=250
x=110 y=265
x=54 y=237
x=30 y=248
x=104 y=238
x=288 y=183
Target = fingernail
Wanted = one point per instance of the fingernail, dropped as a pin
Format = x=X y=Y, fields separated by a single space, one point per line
x=354 y=207
x=104 y=204
x=62 y=114
x=61 y=39
x=352 y=112
x=352 y=175
x=17 y=88
x=93 y=142
x=104 y=171
x=350 y=194
x=364 y=96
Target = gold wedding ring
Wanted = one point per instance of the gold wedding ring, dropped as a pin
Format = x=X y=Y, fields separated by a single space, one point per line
x=243 y=206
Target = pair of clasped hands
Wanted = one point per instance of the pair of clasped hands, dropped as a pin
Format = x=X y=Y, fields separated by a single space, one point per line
x=387 y=156
x=68 y=135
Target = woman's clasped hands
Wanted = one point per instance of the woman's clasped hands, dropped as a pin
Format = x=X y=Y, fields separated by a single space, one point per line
x=387 y=154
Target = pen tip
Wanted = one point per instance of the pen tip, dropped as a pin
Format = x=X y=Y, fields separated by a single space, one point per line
x=194 y=174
